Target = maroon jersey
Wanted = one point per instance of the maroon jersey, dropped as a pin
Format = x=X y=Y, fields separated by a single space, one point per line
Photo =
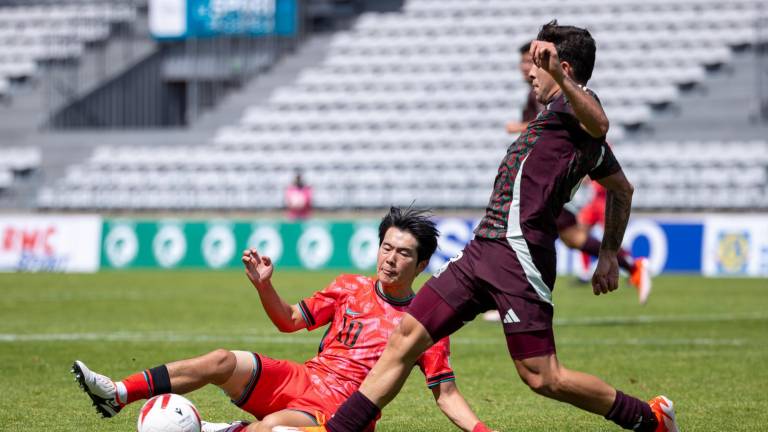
x=540 y=172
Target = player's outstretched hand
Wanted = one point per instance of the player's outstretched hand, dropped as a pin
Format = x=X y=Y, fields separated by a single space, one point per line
x=258 y=268
x=545 y=57
x=606 y=276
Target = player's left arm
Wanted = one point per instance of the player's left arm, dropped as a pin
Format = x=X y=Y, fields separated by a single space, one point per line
x=435 y=365
x=585 y=106
x=618 y=205
x=455 y=407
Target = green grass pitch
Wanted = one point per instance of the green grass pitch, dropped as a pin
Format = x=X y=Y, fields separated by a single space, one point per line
x=703 y=342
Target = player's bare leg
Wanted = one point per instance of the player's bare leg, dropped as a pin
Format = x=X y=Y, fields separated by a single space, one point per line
x=384 y=381
x=284 y=418
x=409 y=340
x=218 y=367
x=547 y=377
x=574 y=236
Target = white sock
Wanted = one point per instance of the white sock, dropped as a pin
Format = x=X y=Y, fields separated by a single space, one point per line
x=121 y=393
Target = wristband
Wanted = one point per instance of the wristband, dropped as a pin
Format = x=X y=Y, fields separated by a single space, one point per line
x=481 y=427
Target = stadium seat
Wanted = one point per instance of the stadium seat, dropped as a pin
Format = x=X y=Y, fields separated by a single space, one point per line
x=413 y=105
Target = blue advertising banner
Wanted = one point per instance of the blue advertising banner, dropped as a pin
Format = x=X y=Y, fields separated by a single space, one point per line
x=181 y=19
x=673 y=246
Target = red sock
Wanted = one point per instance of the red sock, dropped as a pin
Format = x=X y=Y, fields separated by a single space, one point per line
x=143 y=385
x=481 y=427
x=137 y=386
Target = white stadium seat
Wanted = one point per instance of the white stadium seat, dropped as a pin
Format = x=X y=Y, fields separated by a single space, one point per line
x=412 y=105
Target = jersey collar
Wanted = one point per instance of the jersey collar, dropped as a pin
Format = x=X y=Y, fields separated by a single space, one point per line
x=403 y=301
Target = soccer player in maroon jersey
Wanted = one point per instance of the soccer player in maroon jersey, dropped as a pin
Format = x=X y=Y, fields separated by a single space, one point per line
x=510 y=264
x=362 y=313
x=532 y=106
x=575 y=231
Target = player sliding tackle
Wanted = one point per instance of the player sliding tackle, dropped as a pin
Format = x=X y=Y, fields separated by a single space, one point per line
x=362 y=313
x=510 y=264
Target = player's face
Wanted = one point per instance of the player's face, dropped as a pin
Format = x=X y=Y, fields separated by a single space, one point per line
x=544 y=86
x=526 y=61
x=397 y=262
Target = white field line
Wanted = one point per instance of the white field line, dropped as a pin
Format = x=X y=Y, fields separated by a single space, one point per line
x=151 y=337
x=660 y=319
x=307 y=339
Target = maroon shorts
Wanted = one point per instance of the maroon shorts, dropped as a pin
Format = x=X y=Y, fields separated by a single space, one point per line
x=489 y=275
x=566 y=220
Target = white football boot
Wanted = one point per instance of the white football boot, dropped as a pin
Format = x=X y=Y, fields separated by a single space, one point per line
x=99 y=388
x=222 y=427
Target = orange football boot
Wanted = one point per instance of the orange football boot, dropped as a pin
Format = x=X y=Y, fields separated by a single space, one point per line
x=664 y=410
x=641 y=279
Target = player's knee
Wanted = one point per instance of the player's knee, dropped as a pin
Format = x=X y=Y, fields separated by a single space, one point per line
x=409 y=339
x=265 y=425
x=221 y=363
x=546 y=383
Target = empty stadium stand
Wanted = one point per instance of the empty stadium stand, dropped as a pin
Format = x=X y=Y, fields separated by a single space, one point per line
x=16 y=162
x=411 y=106
x=31 y=34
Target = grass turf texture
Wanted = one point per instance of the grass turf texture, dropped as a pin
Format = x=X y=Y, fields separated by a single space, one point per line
x=703 y=342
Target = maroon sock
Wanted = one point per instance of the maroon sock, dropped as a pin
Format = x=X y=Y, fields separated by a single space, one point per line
x=354 y=415
x=624 y=261
x=631 y=413
x=591 y=246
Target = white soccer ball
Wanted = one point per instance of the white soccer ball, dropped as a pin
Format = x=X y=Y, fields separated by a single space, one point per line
x=168 y=413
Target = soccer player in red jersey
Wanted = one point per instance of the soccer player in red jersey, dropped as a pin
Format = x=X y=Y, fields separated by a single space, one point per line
x=362 y=313
x=510 y=264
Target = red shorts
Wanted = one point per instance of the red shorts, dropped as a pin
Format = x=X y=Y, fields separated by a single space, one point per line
x=277 y=385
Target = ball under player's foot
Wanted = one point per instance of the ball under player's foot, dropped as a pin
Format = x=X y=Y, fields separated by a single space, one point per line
x=491 y=316
x=223 y=427
x=99 y=388
x=664 y=410
x=641 y=279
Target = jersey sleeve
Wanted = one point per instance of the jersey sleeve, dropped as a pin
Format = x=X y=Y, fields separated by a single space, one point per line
x=435 y=365
x=606 y=165
x=318 y=309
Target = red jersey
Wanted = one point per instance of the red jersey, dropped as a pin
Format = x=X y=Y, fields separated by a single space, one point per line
x=594 y=212
x=362 y=318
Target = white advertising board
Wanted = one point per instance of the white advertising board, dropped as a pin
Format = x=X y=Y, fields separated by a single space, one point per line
x=50 y=243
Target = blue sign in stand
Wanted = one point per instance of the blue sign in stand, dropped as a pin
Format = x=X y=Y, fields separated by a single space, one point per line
x=212 y=18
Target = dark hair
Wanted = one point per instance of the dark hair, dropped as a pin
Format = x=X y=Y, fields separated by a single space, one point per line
x=417 y=223
x=574 y=45
x=525 y=48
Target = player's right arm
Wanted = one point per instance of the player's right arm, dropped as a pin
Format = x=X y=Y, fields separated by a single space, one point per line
x=618 y=203
x=586 y=108
x=287 y=318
